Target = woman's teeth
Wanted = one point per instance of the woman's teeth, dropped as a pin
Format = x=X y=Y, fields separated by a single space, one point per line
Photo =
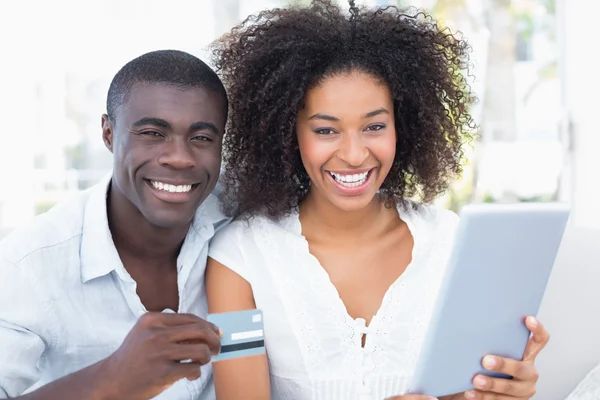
x=351 y=180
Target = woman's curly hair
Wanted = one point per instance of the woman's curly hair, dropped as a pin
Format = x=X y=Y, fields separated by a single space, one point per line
x=270 y=60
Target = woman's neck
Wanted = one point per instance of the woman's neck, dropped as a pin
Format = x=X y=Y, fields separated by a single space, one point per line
x=322 y=219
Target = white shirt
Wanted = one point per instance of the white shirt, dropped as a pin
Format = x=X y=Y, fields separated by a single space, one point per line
x=313 y=345
x=66 y=301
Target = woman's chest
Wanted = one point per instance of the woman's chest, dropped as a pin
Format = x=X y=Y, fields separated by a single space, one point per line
x=310 y=331
x=363 y=273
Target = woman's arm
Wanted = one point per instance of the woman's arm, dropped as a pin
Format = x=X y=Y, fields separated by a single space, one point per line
x=241 y=378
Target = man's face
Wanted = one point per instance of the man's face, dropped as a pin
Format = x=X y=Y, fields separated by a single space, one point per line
x=166 y=143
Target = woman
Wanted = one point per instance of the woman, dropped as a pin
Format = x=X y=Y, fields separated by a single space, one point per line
x=336 y=123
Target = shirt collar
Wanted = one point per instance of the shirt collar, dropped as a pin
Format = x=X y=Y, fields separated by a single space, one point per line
x=98 y=253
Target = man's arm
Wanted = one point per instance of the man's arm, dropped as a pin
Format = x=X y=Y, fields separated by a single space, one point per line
x=19 y=352
x=146 y=364
x=143 y=366
x=21 y=347
x=91 y=383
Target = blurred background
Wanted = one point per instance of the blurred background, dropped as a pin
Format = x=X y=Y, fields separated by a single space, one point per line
x=59 y=58
x=531 y=68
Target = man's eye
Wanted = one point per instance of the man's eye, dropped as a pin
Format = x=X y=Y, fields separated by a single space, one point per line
x=151 y=133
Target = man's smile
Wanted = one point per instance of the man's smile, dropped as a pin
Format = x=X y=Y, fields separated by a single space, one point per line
x=172 y=192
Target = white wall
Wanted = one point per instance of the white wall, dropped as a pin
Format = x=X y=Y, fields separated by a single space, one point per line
x=17 y=112
x=571 y=307
x=571 y=313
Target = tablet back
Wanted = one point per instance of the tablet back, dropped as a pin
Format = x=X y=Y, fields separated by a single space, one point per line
x=496 y=276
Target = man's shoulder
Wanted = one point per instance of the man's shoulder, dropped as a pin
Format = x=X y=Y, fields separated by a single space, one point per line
x=47 y=232
x=211 y=212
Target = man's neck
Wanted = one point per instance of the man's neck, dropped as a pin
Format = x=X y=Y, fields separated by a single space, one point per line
x=135 y=237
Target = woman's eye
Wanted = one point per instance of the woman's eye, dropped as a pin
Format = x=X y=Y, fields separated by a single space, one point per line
x=203 y=138
x=324 y=131
x=376 y=127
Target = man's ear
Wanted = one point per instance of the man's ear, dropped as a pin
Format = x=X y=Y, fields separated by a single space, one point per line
x=108 y=132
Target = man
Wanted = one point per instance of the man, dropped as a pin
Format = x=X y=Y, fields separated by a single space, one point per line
x=101 y=297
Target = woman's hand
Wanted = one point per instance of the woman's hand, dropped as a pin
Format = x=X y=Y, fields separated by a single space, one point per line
x=524 y=373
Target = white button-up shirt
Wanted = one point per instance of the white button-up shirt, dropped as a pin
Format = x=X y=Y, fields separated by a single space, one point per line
x=66 y=301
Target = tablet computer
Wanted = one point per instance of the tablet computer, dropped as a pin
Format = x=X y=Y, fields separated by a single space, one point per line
x=502 y=258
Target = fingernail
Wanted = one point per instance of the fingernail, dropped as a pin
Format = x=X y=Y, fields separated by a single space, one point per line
x=470 y=395
x=220 y=332
x=532 y=321
x=480 y=382
x=489 y=362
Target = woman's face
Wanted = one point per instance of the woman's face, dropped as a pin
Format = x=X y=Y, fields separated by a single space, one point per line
x=347 y=138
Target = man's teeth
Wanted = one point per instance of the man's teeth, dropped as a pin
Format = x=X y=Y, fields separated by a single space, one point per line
x=353 y=180
x=171 y=188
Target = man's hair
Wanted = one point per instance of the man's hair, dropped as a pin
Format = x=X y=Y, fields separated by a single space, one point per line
x=271 y=60
x=167 y=67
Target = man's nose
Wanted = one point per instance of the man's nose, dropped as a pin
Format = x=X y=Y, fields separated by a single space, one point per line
x=177 y=154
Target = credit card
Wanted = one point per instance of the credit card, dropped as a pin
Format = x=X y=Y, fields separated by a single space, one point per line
x=242 y=334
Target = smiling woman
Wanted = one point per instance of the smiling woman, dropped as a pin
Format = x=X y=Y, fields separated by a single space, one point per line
x=347 y=142
x=269 y=72
x=336 y=122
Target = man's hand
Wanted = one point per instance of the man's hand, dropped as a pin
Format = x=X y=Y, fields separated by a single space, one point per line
x=524 y=373
x=149 y=360
x=412 y=397
x=147 y=363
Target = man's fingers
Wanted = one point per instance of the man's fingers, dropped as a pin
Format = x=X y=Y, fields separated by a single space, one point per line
x=172 y=319
x=198 y=353
x=204 y=332
x=186 y=370
x=183 y=328
x=538 y=340
x=156 y=319
x=520 y=370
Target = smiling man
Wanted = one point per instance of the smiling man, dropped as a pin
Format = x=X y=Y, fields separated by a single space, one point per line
x=103 y=296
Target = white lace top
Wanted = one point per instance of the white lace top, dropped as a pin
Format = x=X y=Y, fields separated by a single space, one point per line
x=313 y=345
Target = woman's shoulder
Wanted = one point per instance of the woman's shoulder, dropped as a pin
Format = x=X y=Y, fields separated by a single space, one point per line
x=245 y=229
x=245 y=245
x=431 y=215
